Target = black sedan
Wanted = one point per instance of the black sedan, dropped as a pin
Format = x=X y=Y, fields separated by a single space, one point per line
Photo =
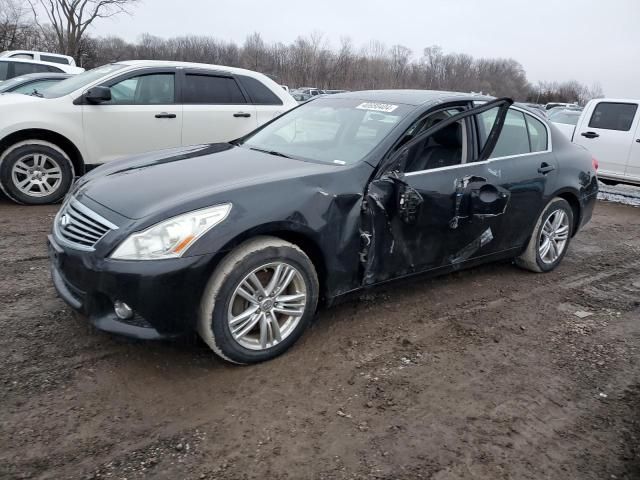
x=31 y=83
x=241 y=241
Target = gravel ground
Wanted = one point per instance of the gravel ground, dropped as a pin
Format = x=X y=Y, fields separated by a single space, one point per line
x=484 y=374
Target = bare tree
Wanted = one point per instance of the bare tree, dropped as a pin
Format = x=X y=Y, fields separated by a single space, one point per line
x=71 y=18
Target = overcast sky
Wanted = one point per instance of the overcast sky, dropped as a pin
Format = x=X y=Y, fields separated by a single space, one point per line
x=587 y=40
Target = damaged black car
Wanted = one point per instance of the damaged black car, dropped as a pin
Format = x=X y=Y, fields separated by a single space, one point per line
x=241 y=241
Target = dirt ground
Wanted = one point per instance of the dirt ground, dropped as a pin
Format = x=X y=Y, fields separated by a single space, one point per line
x=484 y=374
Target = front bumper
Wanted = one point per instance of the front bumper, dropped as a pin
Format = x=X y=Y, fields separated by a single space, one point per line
x=164 y=294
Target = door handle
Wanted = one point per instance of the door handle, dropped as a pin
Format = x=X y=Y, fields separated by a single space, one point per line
x=638 y=140
x=165 y=115
x=590 y=134
x=242 y=115
x=546 y=168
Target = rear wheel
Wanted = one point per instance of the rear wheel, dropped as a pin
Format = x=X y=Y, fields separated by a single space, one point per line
x=550 y=240
x=35 y=173
x=259 y=301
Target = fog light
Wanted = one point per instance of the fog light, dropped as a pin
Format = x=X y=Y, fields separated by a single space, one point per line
x=123 y=311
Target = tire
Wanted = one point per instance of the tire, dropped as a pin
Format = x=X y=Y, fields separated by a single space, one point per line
x=45 y=168
x=532 y=258
x=221 y=301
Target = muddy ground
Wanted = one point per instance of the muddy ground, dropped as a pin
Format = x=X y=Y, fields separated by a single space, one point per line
x=484 y=374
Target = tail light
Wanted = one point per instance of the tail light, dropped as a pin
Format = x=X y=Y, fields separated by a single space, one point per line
x=594 y=163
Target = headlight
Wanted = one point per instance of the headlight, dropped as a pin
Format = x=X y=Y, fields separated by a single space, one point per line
x=171 y=238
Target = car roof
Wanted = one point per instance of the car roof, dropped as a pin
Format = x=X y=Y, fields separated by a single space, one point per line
x=207 y=66
x=39 y=75
x=411 y=97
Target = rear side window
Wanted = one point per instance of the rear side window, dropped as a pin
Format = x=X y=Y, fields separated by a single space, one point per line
x=514 y=138
x=52 y=59
x=537 y=134
x=20 y=69
x=212 y=90
x=4 y=71
x=260 y=94
x=613 y=116
x=521 y=133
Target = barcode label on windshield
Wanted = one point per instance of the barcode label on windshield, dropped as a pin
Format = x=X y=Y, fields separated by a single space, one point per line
x=377 y=107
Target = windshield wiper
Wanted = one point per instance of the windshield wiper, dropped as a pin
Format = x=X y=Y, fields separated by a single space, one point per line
x=270 y=152
x=36 y=93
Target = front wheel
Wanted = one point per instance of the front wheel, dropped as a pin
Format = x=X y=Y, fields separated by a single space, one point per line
x=35 y=173
x=550 y=239
x=258 y=301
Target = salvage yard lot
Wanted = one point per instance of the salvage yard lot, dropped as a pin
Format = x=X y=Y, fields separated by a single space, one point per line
x=486 y=373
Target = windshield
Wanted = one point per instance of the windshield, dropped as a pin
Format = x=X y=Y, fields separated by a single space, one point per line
x=328 y=130
x=76 y=82
x=7 y=85
x=570 y=118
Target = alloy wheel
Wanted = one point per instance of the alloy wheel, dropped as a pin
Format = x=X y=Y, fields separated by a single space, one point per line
x=554 y=236
x=36 y=175
x=267 y=306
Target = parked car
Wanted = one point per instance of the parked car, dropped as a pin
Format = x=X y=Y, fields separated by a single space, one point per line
x=610 y=129
x=125 y=108
x=16 y=67
x=565 y=120
x=241 y=240
x=39 y=56
x=310 y=91
x=32 y=83
x=551 y=105
x=301 y=97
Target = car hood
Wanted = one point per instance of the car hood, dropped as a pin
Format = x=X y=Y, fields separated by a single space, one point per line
x=190 y=176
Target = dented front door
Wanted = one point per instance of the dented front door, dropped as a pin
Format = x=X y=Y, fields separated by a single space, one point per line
x=419 y=220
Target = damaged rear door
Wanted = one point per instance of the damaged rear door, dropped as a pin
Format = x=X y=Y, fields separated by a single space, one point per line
x=433 y=203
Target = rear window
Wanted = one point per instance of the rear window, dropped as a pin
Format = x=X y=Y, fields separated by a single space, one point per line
x=514 y=138
x=260 y=94
x=537 y=134
x=53 y=59
x=521 y=133
x=613 y=116
x=212 y=90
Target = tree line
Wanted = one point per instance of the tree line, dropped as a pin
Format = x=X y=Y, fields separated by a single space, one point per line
x=307 y=61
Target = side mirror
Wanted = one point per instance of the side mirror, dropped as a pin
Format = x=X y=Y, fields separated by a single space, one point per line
x=98 y=95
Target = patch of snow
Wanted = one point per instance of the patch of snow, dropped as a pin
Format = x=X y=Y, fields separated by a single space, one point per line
x=625 y=194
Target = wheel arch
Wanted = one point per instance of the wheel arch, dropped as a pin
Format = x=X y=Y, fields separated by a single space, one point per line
x=62 y=142
x=572 y=199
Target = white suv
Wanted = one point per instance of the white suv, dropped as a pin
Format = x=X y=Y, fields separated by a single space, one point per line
x=16 y=67
x=39 y=56
x=121 y=109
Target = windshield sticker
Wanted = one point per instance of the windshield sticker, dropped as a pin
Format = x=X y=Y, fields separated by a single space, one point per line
x=377 y=107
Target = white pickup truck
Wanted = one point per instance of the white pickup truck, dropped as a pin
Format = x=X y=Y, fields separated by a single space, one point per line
x=610 y=130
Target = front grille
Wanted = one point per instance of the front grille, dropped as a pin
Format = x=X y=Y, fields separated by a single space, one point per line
x=81 y=227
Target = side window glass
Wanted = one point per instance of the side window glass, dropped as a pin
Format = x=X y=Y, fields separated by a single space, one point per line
x=211 y=90
x=514 y=138
x=4 y=71
x=20 y=69
x=154 y=89
x=52 y=59
x=259 y=93
x=613 y=116
x=444 y=148
x=537 y=134
x=27 y=56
